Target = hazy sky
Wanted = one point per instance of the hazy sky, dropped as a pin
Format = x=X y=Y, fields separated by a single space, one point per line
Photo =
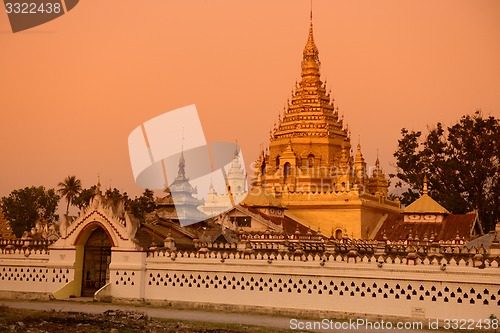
x=73 y=89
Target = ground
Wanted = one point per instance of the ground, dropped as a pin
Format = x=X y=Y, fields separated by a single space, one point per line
x=114 y=321
x=85 y=316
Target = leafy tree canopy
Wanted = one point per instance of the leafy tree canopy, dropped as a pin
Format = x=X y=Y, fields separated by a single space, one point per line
x=83 y=198
x=144 y=204
x=138 y=206
x=23 y=207
x=115 y=196
x=461 y=162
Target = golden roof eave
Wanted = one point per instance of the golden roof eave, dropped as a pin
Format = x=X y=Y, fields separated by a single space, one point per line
x=425 y=204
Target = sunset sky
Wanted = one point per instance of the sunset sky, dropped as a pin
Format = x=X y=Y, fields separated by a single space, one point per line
x=73 y=89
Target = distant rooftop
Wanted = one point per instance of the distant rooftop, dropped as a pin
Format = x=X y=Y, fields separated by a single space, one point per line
x=425 y=204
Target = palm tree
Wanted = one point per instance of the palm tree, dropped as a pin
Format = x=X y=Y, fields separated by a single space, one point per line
x=69 y=189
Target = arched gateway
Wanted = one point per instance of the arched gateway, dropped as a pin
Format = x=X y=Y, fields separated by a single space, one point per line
x=96 y=246
x=96 y=260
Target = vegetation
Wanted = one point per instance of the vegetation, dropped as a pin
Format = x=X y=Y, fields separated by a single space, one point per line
x=462 y=164
x=84 y=197
x=24 y=207
x=69 y=189
x=138 y=206
x=144 y=204
x=116 y=196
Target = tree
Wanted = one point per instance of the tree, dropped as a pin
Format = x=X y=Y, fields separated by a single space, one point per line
x=84 y=197
x=144 y=204
x=461 y=164
x=139 y=206
x=23 y=207
x=116 y=196
x=69 y=189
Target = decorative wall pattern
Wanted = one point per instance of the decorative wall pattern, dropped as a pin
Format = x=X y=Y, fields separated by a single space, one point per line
x=404 y=280
x=330 y=287
x=34 y=278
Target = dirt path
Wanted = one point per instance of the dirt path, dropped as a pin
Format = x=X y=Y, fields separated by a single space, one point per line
x=188 y=315
x=281 y=323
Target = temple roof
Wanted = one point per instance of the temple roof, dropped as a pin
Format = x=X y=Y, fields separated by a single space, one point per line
x=258 y=197
x=218 y=235
x=181 y=182
x=179 y=202
x=183 y=236
x=394 y=228
x=289 y=224
x=425 y=204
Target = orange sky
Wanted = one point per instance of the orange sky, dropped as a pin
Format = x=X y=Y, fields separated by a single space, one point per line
x=73 y=89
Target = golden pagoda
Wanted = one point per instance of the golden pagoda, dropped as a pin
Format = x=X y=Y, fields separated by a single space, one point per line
x=309 y=165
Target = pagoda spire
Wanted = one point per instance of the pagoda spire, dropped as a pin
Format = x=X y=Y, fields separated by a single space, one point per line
x=310 y=116
x=182 y=165
x=359 y=156
x=310 y=100
x=360 y=165
x=310 y=61
x=182 y=162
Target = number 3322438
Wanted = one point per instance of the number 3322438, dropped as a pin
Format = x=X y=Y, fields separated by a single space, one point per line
x=32 y=8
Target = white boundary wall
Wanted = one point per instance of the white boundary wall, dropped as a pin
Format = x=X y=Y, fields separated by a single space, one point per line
x=406 y=291
x=466 y=288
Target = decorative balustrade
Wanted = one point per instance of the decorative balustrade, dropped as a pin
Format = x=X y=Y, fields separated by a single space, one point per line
x=339 y=251
x=26 y=246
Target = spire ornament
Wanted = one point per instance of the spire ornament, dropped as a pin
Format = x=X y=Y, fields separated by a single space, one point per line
x=182 y=165
x=425 y=185
x=310 y=62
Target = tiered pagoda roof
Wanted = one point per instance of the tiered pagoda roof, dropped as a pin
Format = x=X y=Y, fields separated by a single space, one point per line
x=311 y=111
